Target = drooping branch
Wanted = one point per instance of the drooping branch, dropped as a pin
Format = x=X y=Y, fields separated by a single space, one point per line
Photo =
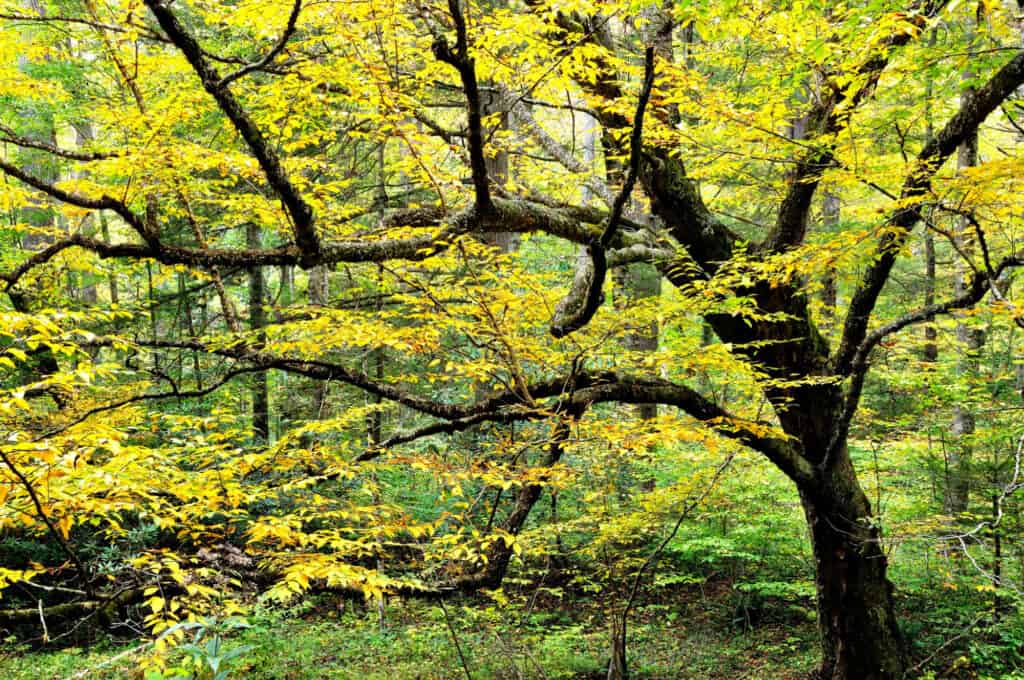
x=84 y=574
x=975 y=108
x=578 y=309
x=571 y=394
x=174 y=393
x=635 y=147
x=137 y=29
x=675 y=199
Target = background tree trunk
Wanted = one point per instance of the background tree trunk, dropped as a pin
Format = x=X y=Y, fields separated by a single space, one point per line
x=958 y=483
x=259 y=389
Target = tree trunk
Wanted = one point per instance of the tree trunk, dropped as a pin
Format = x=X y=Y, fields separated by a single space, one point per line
x=860 y=639
x=631 y=284
x=860 y=636
x=618 y=667
x=498 y=172
x=931 y=334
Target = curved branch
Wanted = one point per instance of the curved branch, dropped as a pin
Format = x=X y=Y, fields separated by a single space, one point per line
x=973 y=111
x=577 y=310
x=572 y=394
x=173 y=394
x=981 y=283
x=289 y=30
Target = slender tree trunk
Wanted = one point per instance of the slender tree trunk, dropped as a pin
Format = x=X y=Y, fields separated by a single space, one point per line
x=319 y=294
x=259 y=389
x=87 y=284
x=972 y=339
x=498 y=172
x=186 y=305
x=374 y=421
x=154 y=320
x=112 y=278
x=633 y=284
x=830 y=207
x=931 y=335
x=618 y=667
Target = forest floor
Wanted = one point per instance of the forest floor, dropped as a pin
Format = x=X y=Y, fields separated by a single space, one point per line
x=703 y=637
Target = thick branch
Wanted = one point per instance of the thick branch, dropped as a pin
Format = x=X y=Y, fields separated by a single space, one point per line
x=572 y=394
x=507 y=215
x=827 y=119
x=783 y=453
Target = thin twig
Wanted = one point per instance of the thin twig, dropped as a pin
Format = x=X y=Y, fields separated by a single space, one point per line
x=455 y=639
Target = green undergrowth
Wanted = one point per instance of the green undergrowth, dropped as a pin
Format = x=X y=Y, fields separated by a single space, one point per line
x=416 y=643
x=713 y=630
